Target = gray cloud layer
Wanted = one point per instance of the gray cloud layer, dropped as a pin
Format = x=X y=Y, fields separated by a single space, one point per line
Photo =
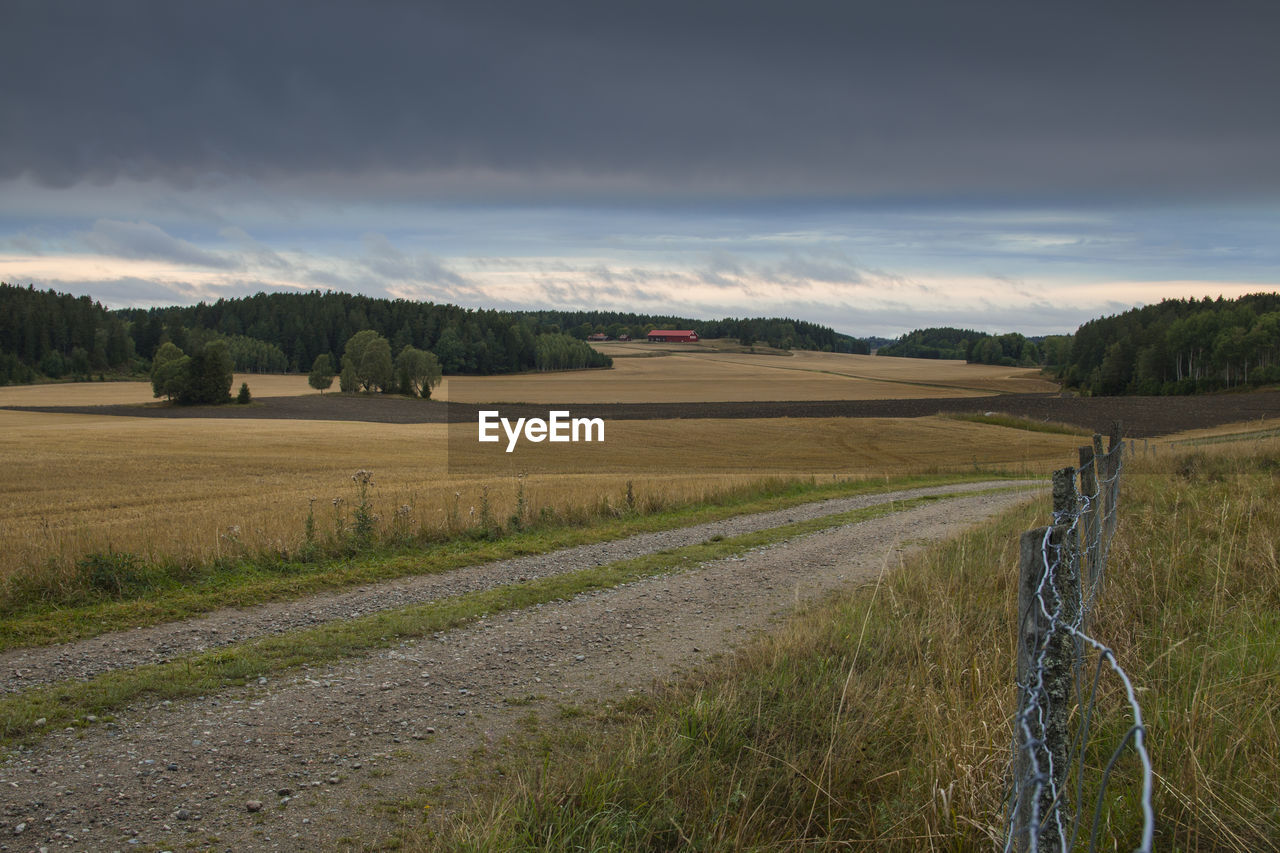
x=678 y=99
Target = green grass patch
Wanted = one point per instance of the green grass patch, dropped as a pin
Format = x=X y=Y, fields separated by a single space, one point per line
x=881 y=719
x=119 y=591
x=1016 y=422
x=192 y=675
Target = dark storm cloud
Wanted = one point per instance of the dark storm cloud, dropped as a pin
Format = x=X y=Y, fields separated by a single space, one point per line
x=675 y=98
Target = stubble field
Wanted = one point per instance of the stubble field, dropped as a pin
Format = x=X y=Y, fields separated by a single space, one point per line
x=643 y=373
x=204 y=487
x=201 y=487
x=137 y=393
x=689 y=373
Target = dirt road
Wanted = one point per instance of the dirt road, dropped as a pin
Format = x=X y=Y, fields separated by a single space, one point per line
x=308 y=760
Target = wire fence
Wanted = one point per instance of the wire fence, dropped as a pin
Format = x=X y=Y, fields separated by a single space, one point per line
x=1058 y=786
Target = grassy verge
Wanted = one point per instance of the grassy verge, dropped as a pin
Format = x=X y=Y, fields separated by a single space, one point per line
x=1015 y=422
x=118 y=591
x=31 y=712
x=880 y=720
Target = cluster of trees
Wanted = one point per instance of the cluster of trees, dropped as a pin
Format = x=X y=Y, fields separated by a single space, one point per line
x=205 y=376
x=940 y=342
x=562 y=352
x=975 y=347
x=367 y=366
x=248 y=355
x=43 y=333
x=302 y=326
x=779 y=332
x=1178 y=346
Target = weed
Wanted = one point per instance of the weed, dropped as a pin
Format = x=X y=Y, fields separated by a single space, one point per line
x=118 y=574
x=363 y=520
x=309 y=526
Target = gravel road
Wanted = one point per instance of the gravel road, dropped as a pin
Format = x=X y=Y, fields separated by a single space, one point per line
x=306 y=760
x=24 y=668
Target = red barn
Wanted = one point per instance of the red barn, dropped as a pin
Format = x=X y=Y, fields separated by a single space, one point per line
x=667 y=336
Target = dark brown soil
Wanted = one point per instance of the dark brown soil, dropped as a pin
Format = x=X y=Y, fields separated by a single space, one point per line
x=1141 y=416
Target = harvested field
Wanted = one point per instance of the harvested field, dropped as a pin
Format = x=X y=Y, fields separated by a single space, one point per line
x=202 y=487
x=693 y=374
x=132 y=393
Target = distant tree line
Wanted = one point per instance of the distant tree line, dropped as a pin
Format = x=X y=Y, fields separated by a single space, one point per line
x=44 y=334
x=56 y=335
x=975 y=347
x=1178 y=346
x=779 y=332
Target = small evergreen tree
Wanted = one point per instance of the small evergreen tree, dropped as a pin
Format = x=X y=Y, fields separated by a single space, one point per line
x=244 y=397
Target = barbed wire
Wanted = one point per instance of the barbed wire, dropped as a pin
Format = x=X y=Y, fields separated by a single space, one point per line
x=1042 y=814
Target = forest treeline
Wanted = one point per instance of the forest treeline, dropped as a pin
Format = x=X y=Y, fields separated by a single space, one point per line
x=44 y=334
x=1010 y=349
x=779 y=332
x=1178 y=346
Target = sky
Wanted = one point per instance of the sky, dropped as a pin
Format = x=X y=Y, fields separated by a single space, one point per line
x=872 y=166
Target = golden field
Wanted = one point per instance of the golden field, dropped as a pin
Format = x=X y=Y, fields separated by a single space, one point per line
x=126 y=393
x=644 y=373
x=203 y=487
x=689 y=373
x=208 y=486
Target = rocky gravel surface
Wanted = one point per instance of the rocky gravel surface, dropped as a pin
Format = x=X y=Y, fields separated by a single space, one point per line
x=21 y=669
x=320 y=758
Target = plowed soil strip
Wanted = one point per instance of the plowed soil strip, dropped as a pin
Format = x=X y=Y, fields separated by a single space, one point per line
x=314 y=760
x=1142 y=417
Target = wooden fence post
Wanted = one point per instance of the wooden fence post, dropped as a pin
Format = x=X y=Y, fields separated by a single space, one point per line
x=1048 y=599
x=1089 y=520
x=1115 y=452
